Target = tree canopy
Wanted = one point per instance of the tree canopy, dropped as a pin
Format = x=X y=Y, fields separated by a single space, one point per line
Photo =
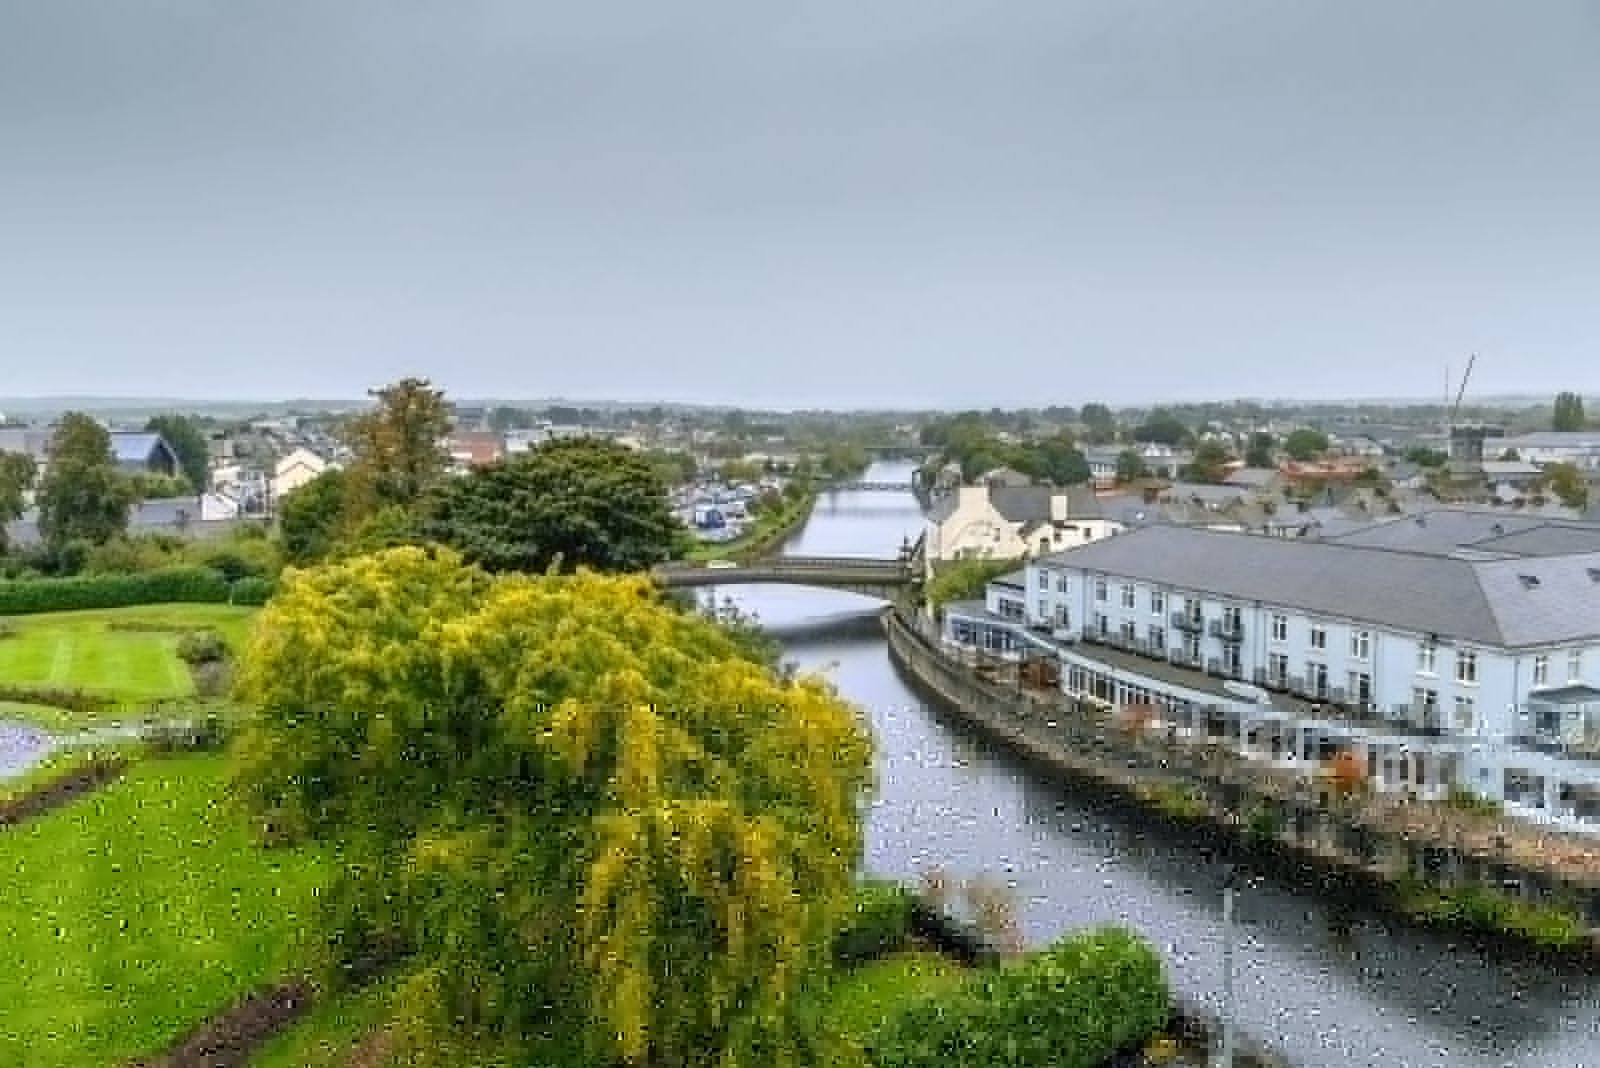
x=1568 y=413
x=82 y=496
x=607 y=834
x=575 y=502
x=311 y=517
x=398 y=446
x=1305 y=443
x=188 y=441
x=17 y=471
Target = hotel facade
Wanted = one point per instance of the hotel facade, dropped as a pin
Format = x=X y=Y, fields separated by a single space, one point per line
x=1461 y=657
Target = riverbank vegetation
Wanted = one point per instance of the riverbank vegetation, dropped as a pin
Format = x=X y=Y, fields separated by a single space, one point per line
x=963 y=580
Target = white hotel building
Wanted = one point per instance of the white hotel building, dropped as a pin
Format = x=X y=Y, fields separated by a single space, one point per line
x=1454 y=650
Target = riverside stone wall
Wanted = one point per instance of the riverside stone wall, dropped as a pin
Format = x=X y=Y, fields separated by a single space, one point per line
x=1207 y=786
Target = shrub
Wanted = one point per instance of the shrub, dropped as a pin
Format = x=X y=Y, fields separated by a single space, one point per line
x=208 y=734
x=79 y=702
x=1074 y=1005
x=879 y=925
x=202 y=647
x=81 y=592
x=252 y=590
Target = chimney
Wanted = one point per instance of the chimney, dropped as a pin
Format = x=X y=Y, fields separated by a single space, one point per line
x=1058 y=506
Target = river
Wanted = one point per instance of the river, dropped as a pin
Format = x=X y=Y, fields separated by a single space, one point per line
x=1329 y=987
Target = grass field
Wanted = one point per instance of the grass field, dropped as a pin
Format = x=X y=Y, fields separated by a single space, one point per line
x=130 y=915
x=78 y=650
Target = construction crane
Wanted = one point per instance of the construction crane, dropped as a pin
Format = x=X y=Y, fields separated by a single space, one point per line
x=1455 y=407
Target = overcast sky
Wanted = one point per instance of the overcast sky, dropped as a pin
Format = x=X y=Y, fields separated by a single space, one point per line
x=883 y=203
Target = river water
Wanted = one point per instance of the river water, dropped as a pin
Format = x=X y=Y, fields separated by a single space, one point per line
x=1329 y=987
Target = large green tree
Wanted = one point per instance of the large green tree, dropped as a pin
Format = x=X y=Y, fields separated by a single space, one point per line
x=572 y=502
x=311 y=518
x=17 y=471
x=606 y=834
x=1568 y=413
x=83 y=496
x=1305 y=443
x=184 y=434
x=398 y=447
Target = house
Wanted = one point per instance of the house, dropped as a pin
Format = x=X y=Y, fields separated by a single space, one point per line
x=294 y=470
x=1437 y=667
x=1513 y=477
x=141 y=452
x=1260 y=481
x=474 y=448
x=1579 y=447
x=1006 y=521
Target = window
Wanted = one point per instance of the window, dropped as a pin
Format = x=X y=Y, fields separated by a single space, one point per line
x=1130 y=596
x=1360 y=644
x=1044 y=580
x=1044 y=609
x=1099 y=589
x=1193 y=609
x=1541 y=670
x=1063 y=619
x=1102 y=624
x=1191 y=647
x=1317 y=678
x=1233 y=618
x=1466 y=666
x=1466 y=714
x=1359 y=688
x=1427 y=657
x=1277 y=668
x=1575 y=665
x=1129 y=631
x=1232 y=663
x=1158 y=638
x=1425 y=706
x=1062 y=585
x=1280 y=627
x=1319 y=636
x=1158 y=603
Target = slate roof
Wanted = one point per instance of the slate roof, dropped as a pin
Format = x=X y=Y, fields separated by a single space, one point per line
x=1016 y=579
x=136 y=446
x=1018 y=504
x=1448 y=530
x=1504 y=603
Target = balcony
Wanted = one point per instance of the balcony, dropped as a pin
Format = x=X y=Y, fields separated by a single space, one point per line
x=1185 y=622
x=1214 y=666
x=1229 y=630
x=1183 y=659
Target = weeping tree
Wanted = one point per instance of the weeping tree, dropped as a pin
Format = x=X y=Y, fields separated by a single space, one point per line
x=599 y=829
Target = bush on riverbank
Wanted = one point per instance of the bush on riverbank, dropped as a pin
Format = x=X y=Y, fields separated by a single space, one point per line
x=1487 y=911
x=880 y=924
x=1073 y=1005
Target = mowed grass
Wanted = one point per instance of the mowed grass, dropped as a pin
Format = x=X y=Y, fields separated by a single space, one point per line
x=130 y=915
x=83 y=650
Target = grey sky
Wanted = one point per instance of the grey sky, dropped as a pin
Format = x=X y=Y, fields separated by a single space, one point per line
x=895 y=202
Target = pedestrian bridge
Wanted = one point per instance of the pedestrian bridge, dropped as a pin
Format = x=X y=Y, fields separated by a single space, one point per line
x=883 y=578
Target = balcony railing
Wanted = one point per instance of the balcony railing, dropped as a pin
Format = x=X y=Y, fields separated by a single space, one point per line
x=1186 y=622
x=1229 y=630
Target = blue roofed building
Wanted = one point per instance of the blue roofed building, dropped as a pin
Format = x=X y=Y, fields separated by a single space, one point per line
x=142 y=452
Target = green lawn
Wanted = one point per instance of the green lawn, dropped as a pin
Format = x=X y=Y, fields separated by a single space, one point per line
x=326 y=1035
x=78 y=650
x=130 y=915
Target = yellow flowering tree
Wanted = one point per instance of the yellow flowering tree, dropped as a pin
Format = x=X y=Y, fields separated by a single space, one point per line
x=604 y=832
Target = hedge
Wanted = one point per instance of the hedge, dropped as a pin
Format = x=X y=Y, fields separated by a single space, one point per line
x=879 y=925
x=1074 y=1005
x=171 y=585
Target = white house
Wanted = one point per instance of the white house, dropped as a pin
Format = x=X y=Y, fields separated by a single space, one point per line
x=1005 y=522
x=1580 y=447
x=294 y=470
x=1437 y=667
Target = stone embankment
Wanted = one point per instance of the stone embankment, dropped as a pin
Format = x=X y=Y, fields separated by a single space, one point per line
x=1478 y=872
